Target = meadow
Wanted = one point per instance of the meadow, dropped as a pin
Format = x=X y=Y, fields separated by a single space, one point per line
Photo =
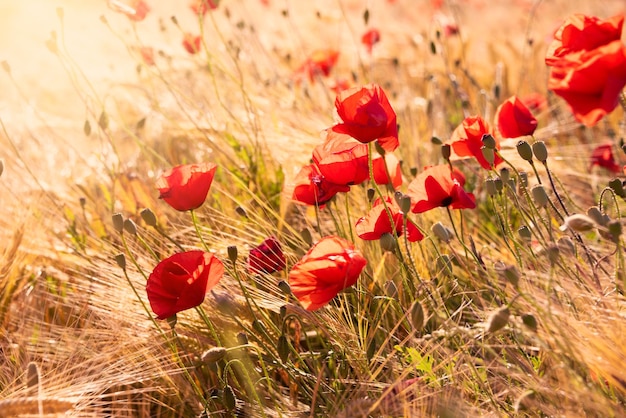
x=341 y=208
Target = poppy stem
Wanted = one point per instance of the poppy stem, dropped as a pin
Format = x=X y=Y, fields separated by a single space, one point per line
x=196 y=225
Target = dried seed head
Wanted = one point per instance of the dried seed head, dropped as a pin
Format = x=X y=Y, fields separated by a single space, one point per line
x=149 y=217
x=130 y=226
x=498 y=319
x=442 y=232
x=615 y=229
x=578 y=223
x=213 y=355
x=539 y=195
x=397 y=196
x=499 y=185
x=490 y=186
x=417 y=316
x=524 y=151
x=505 y=174
x=388 y=242
x=540 y=151
x=118 y=222
x=405 y=204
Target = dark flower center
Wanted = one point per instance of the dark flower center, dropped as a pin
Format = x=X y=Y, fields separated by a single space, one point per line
x=447 y=201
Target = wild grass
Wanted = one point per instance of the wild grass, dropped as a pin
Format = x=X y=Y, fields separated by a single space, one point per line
x=513 y=316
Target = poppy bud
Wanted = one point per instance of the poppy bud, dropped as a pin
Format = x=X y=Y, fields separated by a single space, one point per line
x=213 y=355
x=118 y=222
x=232 y=253
x=397 y=196
x=490 y=186
x=615 y=229
x=540 y=151
x=508 y=272
x=241 y=212
x=120 y=259
x=405 y=204
x=442 y=232
x=540 y=196
x=578 y=223
x=530 y=321
x=130 y=226
x=390 y=289
x=446 y=151
x=284 y=287
x=499 y=185
x=370 y=194
x=505 y=174
x=489 y=141
x=149 y=217
x=600 y=218
x=524 y=151
x=489 y=155
x=228 y=398
x=388 y=242
x=416 y=316
x=435 y=141
x=498 y=319
x=413 y=171
x=242 y=338
x=524 y=233
x=618 y=187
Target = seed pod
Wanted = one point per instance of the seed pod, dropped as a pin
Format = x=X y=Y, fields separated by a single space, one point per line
x=600 y=218
x=213 y=355
x=539 y=195
x=490 y=186
x=416 y=316
x=615 y=229
x=524 y=233
x=489 y=155
x=149 y=217
x=405 y=204
x=498 y=319
x=442 y=232
x=397 y=196
x=499 y=185
x=242 y=338
x=231 y=250
x=120 y=259
x=446 y=151
x=370 y=194
x=130 y=226
x=388 y=242
x=505 y=174
x=525 y=151
x=508 y=272
x=390 y=289
x=540 y=151
x=553 y=253
x=618 y=187
x=489 y=141
x=228 y=398
x=284 y=287
x=118 y=222
x=578 y=223
x=530 y=321
x=523 y=179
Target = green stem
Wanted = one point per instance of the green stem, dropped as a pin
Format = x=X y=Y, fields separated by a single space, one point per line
x=196 y=225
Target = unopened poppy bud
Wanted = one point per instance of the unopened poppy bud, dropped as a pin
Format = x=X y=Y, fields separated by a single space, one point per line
x=540 y=196
x=523 y=179
x=442 y=232
x=508 y=272
x=306 y=236
x=615 y=229
x=435 y=141
x=530 y=321
x=618 y=187
x=118 y=222
x=489 y=155
x=120 y=259
x=413 y=171
x=505 y=174
x=489 y=141
x=490 y=186
x=282 y=347
x=130 y=226
x=370 y=194
x=446 y=151
x=242 y=338
x=540 y=151
x=149 y=217
x=390 y=289
x=213 y=355
x=600 y=218
x=524 y=233
x=241 y=212
x=231 y=250
x=498 y=319
x=405 y=204
x=388 y=242
x=525 y=151
x=284 y=287
x=416 y=316
x=578 y=223
x=228 y=398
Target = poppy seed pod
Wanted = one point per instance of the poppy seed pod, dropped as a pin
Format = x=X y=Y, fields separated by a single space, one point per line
x=505 y=174
x=499 y=185
x=540 y=196
x=498 y=319
x=530 y=321
x=213 y=355
x=149 y=217
x=618 y=187
x=523 y=179
x=540 y=151
x=600 y=218
x=525 y=151
x=388 y=242
x=489 y=155
x=578 y=223
x=446 y=151
x=231 y=250
x=417 y=316
x=489 y=141
x=118 y=222
x=490 y=186
x=120 y=259
x=130 y=226
x=442 y=232
x=524 y=233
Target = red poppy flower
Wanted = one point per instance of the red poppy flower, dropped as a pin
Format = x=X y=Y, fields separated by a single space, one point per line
x=181 y=281
x=591 y=82
x=201 y=7
x=393 y=169
x=313 y=188
x=376 y=223
x=185 y=187
x=267 y=257
x=514 y=119
x=580 y=33
x=602 y=156
x=535 y=102
x=192 y=43
x=438 y=186
x=330 y=266
x=342 y=159
x=467 y=140
x=367 y=116
x=370 y=38
x=320 y=62
x=136 y=10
